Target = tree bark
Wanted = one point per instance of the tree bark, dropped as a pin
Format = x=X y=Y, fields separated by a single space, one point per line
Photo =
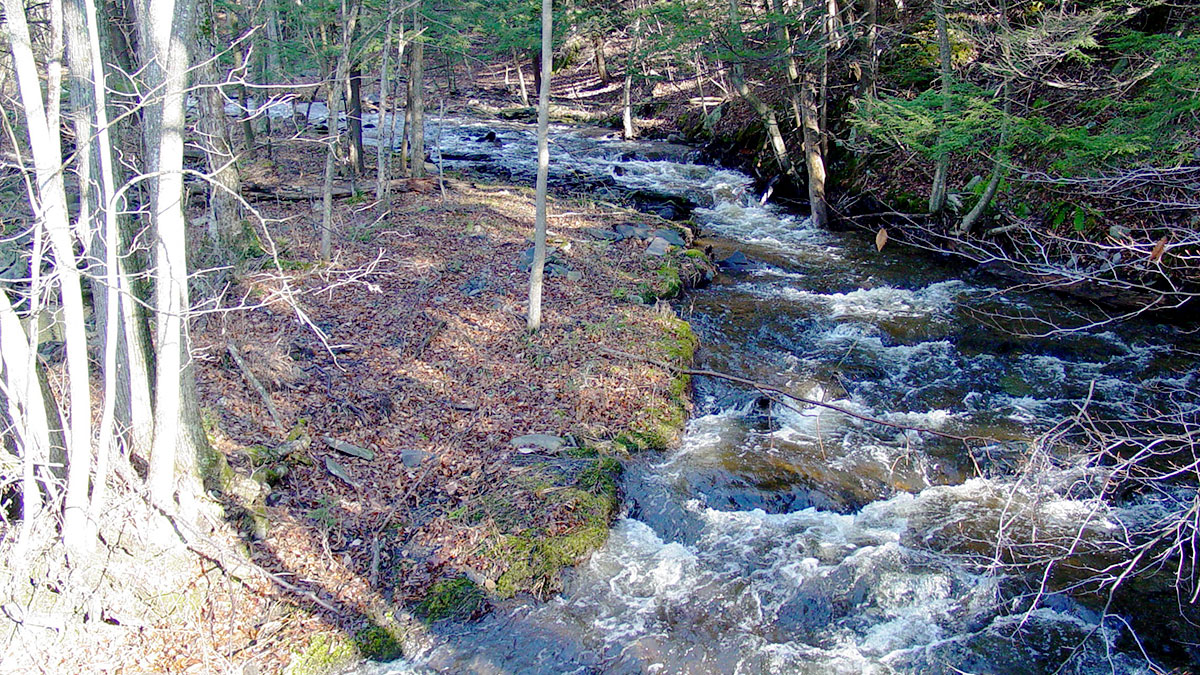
x=50 y=207
x=601 y=62
x=938 y=190
x=354 y=120
x=521 y=79
x=417 y=109
x=386 y=125
x=543 y=170
x=814 y=161
x=764 y=111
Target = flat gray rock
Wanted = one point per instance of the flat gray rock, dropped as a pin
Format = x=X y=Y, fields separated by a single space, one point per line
x=543 y=441
x=604 y=234
x=658 y=247
x=413 y=458
x=673 y=238
x=349 y=448
x=628 y=231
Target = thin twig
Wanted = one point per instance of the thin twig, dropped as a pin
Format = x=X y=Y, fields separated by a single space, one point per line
x=768 y=389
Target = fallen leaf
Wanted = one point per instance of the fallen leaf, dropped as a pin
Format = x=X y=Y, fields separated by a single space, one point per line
x=1157 y=254
x=881 y=238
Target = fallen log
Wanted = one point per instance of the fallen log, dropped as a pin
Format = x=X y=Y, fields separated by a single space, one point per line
x=255 y=191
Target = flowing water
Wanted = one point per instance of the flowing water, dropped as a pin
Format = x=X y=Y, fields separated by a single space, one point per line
x=804 y=540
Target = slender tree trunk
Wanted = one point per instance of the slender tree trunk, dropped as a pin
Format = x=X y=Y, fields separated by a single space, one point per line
x=225 y=213
x=386 y=125
x=417 y=109
x=406 y=139
x=274 y=39
x=764 y=111
x=543 y=170
x=26 y=408
x=354 y=120
x=350 y=19
x=50 y=208
x=165 y=28
x=601 y=62
x=521 y=79
x=937 y=192
x=814 y=161
x=870 y=73
x=1000 y=161
x=108 y=302
x=535 y=59
x=250 y=146
x=629 y=131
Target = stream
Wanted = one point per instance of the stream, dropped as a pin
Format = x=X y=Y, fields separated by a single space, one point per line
x=781 y=539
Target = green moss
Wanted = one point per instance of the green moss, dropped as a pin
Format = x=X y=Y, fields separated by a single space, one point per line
x=532 y=560
x=378 y=644
x=325 y=653
x=452 y=599
x=658 y=425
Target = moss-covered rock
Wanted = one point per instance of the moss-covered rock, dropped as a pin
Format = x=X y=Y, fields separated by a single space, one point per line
x=457 y=598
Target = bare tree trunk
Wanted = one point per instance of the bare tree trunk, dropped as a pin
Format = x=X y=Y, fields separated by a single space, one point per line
x=417 y=110
x=354 y=120
x=26 y=408
x=543 y=170
x=50 y=207
x=814 y=161
x=112 y=295
x=870 y=74
x=1000 y=161
x=250 y=146
x=386 y=125
x=629 y=131
x=521 y=79
x=601 y=62
x=765 y=112
x=225 y=213
x=937 y=192
x=405 y=149
x=334 y=88
x=165 y=27
x=274 y=39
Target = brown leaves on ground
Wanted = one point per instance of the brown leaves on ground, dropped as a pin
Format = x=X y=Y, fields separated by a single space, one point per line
x=411 y=342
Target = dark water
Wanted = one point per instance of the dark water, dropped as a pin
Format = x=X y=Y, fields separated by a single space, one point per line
x=796 y=539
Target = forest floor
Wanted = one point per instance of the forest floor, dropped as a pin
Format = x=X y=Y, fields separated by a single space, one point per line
x=410 y=344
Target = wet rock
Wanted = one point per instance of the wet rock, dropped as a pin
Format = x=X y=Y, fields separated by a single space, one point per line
x=736 y=262
x=658 y=247
x=466 y=156
x=673 y=238
x=489 y=137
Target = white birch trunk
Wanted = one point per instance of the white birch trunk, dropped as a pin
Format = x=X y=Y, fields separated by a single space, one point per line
x=543 y=171
x=50 y=208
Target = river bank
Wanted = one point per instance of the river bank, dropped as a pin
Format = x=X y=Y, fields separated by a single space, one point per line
x=401 y=449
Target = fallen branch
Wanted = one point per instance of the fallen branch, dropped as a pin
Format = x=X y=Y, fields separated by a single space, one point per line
x=768 y=389
x=255 y=384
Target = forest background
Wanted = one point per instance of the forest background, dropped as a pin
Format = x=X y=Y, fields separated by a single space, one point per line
x=1056 y=143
